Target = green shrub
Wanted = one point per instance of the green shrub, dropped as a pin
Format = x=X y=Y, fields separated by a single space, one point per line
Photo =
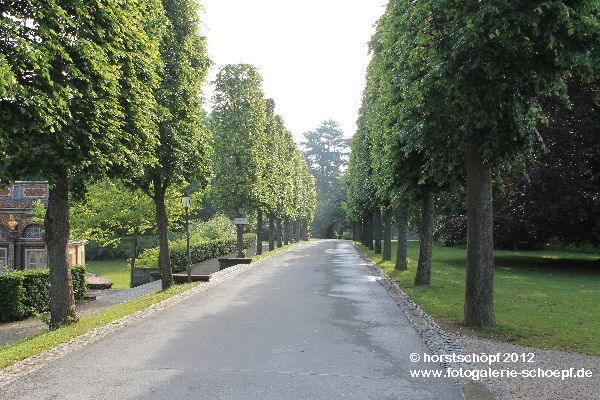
x=24 y=293
x=12 y=295
x=79 y=286
x=37 y=290
x=199 y=252
x=218 y=227
x=148 y=258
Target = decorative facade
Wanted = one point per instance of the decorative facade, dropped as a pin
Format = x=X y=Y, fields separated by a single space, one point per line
x=22 y=242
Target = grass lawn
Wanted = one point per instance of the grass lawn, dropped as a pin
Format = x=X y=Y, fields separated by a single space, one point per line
x=116 y=271
x=546 y=299
x=266 y=253
x=45 y=340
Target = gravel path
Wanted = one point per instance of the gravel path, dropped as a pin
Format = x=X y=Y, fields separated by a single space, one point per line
x=539 y=388
x=10 y=332
x=110 y=297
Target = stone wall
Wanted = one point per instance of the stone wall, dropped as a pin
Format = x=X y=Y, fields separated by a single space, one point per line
x=140 y=276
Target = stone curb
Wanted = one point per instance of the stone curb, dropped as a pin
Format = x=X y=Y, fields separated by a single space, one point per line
x=37 y=361
x=436 y=338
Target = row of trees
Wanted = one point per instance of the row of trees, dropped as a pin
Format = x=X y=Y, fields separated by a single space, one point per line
x=455 y=93
x=90 y=90
x=258 y=168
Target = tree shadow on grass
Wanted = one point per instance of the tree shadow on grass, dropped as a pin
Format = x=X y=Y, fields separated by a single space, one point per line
x=540 y=263
x=534 y=263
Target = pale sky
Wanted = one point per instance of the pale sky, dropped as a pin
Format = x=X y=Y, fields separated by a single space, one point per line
x=312 y=54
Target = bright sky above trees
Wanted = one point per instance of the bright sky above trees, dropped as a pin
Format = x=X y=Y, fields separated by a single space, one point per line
x=312 y=54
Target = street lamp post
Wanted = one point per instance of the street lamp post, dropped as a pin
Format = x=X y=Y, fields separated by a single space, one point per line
x=186 y=202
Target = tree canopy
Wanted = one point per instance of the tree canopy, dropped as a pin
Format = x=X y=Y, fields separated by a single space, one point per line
x=238 y=121
x=258 y=167
x=326 y=152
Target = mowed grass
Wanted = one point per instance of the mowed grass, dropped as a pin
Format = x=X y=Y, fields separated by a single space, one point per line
x=266 y=253
x=547 y=299
x=116 y=271
x=45 y=340
x=119 y=273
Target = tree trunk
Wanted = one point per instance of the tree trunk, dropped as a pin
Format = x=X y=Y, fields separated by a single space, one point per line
x=292 y=231
x=259 y=231
x=423 y=276
x=359 y=231
x=304 y=230
x=296 y=231
x=377 y=229
x=279 y=233
x=271 y=232
x=402 y=251
x=57 y=233
x=240 y=240
x=479 y=293
x=370 y=231
x=134 y=252
x=286 y=231
x=363 y=237
x=162 y=223
x=387 y=234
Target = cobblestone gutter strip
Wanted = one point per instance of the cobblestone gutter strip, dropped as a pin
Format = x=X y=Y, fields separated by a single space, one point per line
x=33 y=363
x=438 y=340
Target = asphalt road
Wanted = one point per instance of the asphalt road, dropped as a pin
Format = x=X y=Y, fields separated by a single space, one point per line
x=311 y=323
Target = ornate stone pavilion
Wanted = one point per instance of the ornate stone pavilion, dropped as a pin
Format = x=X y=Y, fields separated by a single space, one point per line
x=22 y=242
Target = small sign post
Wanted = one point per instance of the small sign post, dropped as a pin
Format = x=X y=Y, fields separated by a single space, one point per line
x=239 y=224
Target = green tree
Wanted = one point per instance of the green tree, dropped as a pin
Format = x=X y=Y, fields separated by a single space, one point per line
x=307 y=198
x=290 y=188
x=271 y=194
x=76 y=101
x=499 y=64
x=325 y=151
x=111 y=209
x=402 y=169
x=184 y=147
x=238 y=121
x=390 y=171
x=472 y=81
x=281 y=195
x=361 y=191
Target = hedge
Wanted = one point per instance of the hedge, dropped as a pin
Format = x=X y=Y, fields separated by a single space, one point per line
x=24 y=293
x=12 y=296
x=198 y=252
